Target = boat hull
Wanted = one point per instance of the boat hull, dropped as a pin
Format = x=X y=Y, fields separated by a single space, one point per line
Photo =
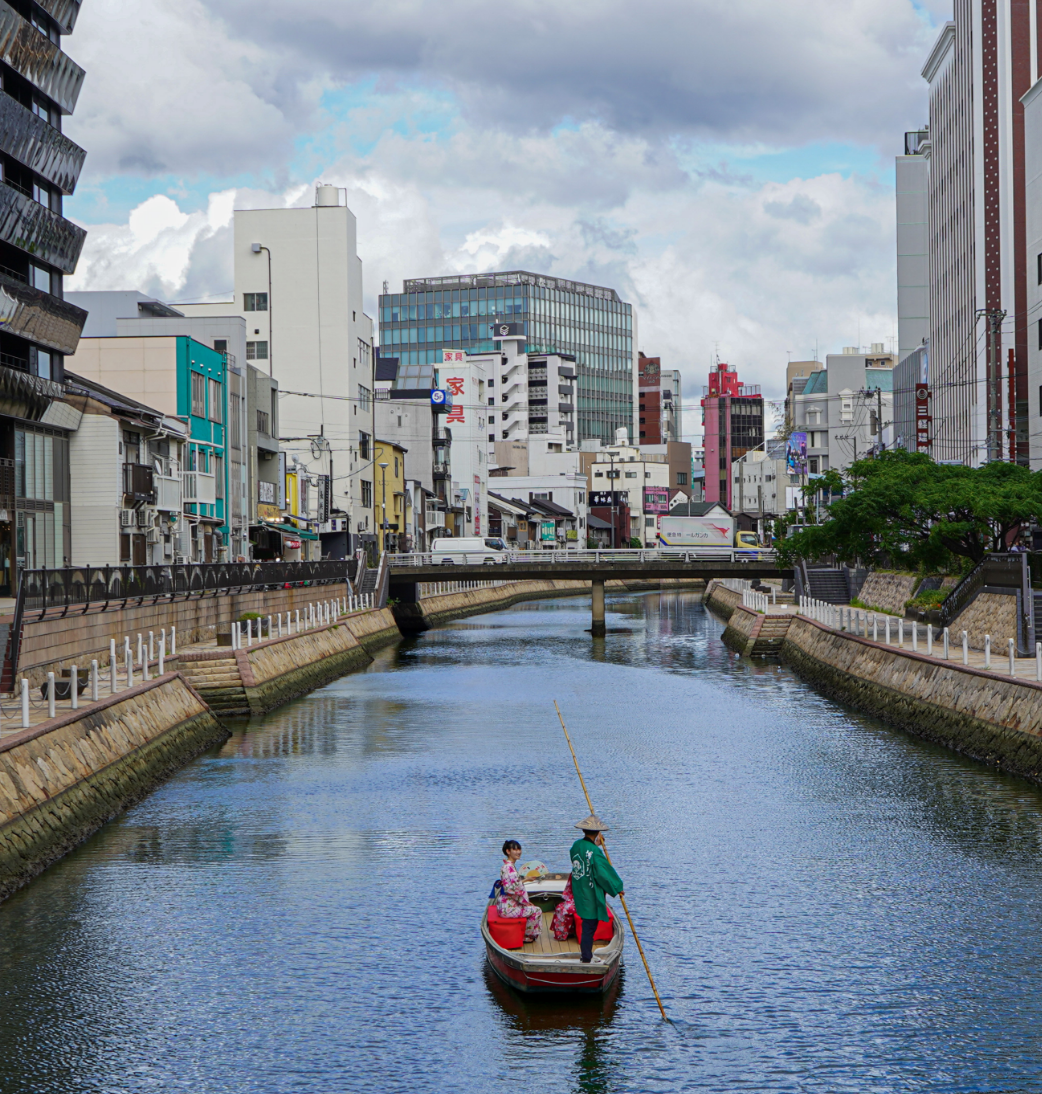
x=535 y=978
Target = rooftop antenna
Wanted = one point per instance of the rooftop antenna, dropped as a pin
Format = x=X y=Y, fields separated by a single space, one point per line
x=386 y=288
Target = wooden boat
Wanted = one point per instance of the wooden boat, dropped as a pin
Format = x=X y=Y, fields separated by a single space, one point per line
x=546 y=965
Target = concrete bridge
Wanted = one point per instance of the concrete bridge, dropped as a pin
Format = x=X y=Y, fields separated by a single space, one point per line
x=405 y=572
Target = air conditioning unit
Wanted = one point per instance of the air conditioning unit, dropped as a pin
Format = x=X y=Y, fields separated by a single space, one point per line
x=127 y=518
x=180 y=560
x=152 y=535
x=145 y=517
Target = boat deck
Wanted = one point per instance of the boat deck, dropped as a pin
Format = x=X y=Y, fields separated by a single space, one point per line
x=546 y=943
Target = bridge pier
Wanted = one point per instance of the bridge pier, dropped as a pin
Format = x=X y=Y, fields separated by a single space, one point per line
x=597 y=606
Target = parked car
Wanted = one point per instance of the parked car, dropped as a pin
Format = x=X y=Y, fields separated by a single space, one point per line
x=466 y=551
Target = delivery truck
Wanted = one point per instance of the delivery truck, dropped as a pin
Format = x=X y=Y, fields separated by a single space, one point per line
x=709 y=531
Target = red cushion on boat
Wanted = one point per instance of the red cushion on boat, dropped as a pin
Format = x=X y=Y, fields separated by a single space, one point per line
x=605 y=929
x=506 y=932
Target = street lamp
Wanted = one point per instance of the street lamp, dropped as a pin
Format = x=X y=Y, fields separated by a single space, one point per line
x=383 y=505
x=611 y=475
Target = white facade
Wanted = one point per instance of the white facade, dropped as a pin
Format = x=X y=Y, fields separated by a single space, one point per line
x=569 y=490
x=913 y=247
x=466 y=380
x=298 y=285
x=625 y=468
x=1033 y=210
x=759 y=480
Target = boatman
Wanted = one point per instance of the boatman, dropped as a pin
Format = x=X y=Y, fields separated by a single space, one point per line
x=592 y=878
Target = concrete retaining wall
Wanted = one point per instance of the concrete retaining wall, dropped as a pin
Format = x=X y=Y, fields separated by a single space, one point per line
x=755 y=634
x=63 y=779
x=987 y=613
x=56 y=643
x=721 y=599
x=991 y=718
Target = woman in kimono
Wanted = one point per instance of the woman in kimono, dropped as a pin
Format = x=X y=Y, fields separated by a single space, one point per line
x=512 y=899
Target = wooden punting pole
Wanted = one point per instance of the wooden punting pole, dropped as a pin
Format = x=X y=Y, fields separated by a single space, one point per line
x=629 y=918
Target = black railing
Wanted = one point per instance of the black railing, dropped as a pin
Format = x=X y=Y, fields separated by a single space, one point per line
x=997 y=570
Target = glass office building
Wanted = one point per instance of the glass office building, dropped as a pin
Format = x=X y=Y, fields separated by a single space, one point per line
x=588 y=322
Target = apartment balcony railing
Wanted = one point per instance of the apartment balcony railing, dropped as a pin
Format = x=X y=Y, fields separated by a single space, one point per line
x=200 y=488
x=32 y=227
x=30 y=140
x=169 y=490
x=138 y=482
x=35 y=57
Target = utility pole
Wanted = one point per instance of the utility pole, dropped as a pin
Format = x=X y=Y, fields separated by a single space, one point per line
x=995 y=318
x=879 y=416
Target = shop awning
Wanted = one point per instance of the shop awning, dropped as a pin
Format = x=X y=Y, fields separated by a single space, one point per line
x=289 y=530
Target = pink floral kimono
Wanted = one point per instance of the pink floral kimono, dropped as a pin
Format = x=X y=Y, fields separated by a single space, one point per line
x=563 y=925
x=512 y=901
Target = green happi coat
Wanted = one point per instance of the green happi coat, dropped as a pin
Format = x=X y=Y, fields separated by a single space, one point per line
x=592 y=877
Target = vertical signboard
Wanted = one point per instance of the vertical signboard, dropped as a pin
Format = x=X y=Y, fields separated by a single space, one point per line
x=923 y=418
x=796 y=453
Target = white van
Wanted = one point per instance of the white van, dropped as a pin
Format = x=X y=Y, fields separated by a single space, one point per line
x=466 y=551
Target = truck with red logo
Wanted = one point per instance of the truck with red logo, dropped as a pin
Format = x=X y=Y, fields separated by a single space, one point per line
x=708 y=531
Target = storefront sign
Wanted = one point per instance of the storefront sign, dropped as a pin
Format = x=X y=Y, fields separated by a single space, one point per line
x=269 y=512
x=608 y=497
x=656 y=499
x=571 y=533
x=548 y=531
x=923 y=418
x=455 y=386
x=291 y=544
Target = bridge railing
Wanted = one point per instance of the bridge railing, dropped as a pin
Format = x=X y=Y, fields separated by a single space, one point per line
x=650 y=554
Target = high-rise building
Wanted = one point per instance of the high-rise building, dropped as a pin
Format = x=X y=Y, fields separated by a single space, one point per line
x=38 y=247
x=732 y=421
x=658 y=415
x=913 y=244
x=298 y=285
x=981 y=65
x=588 y=322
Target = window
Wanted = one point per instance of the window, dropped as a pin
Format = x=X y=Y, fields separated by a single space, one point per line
x=363 y=446
x=43 y=364
x=649 y=522
x=255 y=301
x=221 y=345
x=812 y=465
x=216 y=401
x=262 y=423
x=40 y=278
x=631 y=474
x=256 y=351
x=600 y=474
x=218 y=470
x=396 y=467
x=367 y=494
x=1040 y=269
x=365 y=399
x=681 y=478
x=198 y=395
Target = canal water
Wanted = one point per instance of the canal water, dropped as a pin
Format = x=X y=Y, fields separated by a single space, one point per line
x=828 y=905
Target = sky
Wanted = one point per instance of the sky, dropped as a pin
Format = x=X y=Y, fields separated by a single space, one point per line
x=726 y=167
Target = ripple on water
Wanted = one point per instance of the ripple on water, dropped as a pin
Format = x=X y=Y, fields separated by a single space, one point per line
x=829 y=905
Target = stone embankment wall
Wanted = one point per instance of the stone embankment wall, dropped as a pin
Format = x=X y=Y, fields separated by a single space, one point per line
x=56 y=643
x=887 y=592
x=265 y=675
x=755 y=634
x=63 y=779
x=989 y=717
x=987 y=613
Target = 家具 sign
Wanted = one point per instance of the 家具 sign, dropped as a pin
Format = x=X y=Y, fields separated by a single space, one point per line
x=453 y=356
x=455 y=386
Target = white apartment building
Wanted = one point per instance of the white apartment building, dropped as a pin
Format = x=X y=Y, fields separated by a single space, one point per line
x=761 y=486
x=298 y=285
x=643 y=477
x=569 y=490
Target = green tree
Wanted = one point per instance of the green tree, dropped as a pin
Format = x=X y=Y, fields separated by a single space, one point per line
x=905 y=509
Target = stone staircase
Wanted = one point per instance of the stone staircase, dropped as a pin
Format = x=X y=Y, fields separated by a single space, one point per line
x=829 y=586
x=771 y=635
x=218 y=682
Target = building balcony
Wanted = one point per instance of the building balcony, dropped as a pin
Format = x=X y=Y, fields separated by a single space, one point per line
x=63 y=12
x=23 y=395
x=169 y=492
x=137 y=482
x=33 y=55
x=200 y=488
x=441 y=437
x=38 y=316
x=33 y=228
x=441 y=474
x=37 y=145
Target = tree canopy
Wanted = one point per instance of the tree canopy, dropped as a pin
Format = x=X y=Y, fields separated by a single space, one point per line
x=903 y=509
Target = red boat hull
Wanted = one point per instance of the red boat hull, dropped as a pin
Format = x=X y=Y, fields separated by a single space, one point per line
x=584 y=980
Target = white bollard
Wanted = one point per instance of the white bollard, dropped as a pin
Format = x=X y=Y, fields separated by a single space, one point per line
x=929 y=640
x=25 y=703
x=112 y=666
x=151 y=646
x=95 y=681
x=298 y=620
x=50 y=695
x=946 y=643
x=915 y=637
x=146 y=670
x=140 y=650
x=888 y=630
x=74 y=687
x=965 y=649
x=280 y=624
x=249 y=632
x=987 y=651
x=235 y=635
x=126 y=647
x=173 y=641
x=1012 y=656
x=269 y=627
x=900 y=634
x=130 y=670
x=875 y=627
x=1038 y=662
x=162 y=653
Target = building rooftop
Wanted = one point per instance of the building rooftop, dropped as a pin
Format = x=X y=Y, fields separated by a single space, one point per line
x=511 y=277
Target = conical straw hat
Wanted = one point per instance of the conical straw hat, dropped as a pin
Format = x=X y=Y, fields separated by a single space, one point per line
x=593 y=823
